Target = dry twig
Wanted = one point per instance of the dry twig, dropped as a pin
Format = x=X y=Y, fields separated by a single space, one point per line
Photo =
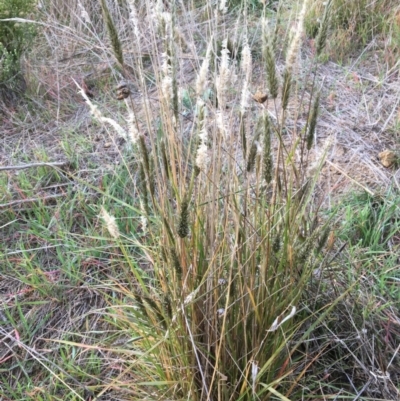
x=24 y=166
x=29 y=200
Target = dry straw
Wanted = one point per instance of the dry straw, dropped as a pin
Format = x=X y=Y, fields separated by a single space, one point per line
x=94 y=110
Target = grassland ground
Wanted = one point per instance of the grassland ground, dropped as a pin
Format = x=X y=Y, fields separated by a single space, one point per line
x=133 y=266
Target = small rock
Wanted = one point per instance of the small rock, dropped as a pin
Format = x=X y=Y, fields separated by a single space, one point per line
x=388 y=158
x=107 y=145
x=260 y=97
x=122 y=90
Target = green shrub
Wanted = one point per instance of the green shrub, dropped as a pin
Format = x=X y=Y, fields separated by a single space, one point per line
x=14 y=40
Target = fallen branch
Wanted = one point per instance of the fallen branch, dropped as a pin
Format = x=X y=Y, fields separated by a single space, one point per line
x=23 y=166
x=29 y=200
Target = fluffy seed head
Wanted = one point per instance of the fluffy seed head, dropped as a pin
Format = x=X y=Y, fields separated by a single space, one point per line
x=166 y=23
x=202 y=151
x=201 y=80
x=94 y=110
x=295 y=42
x=222 y=7
x=246 y=61
x=132 y=129
x=221 y=124
x=166 y=88
x=84 y=13
x=224 y=75
x=143 y=217
x=134 y=18
x=244 y=100
x=110 y=222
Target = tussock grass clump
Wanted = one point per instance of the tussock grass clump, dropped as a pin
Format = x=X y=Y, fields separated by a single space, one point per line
x=232 y=237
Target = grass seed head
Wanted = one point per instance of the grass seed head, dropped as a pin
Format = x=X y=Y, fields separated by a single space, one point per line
x=110 y=223
x=143 y=218
x=134 y=18
x=312 y=123
x=223 y=7
x=143 y=187
x=94 y=110
x=267 y=154
x=183 y=229
x=165 y=159
x=174 y=260
x=294 y=45
x=223 y=78
x=202 y=151
x=244 y=101
x=113 y=34
x=323 y=29
x=221 y=124
x=287 y=83
x=246 y=61
x=132 y=128
x=242 y=130
x=201 y=80
x=322 y=240
x=270 y=62
x=145 y=155
x=251 y=159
